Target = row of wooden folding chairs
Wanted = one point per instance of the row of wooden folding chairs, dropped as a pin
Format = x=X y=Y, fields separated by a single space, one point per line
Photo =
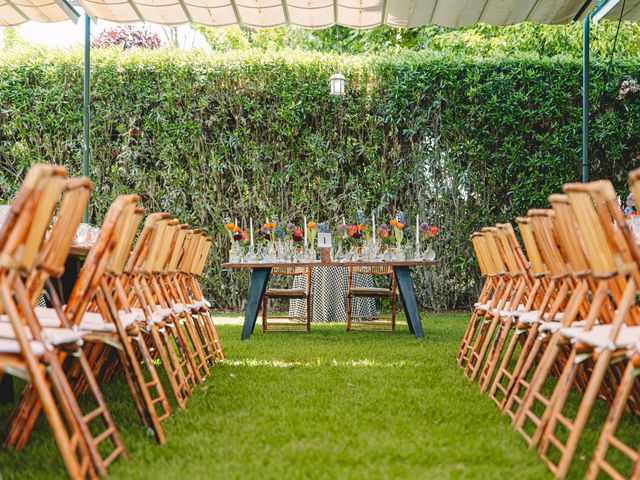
x=127 y=310
x=557 y=317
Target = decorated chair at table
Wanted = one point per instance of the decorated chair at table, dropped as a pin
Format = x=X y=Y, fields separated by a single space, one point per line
x=299 y=323
x=381 y=323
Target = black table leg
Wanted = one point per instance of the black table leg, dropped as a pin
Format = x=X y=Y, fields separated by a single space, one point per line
x=257 y=287
x=408 y=297
x=6 y=390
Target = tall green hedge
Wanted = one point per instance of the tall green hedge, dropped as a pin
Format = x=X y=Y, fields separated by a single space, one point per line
x=464 y=142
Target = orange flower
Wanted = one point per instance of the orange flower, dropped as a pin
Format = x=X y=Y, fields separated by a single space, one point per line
x=236 y=229
x=229 y=226
x=311 y=225
x=270 y=225
x=433 y=231
x=393 y=222
x=362 y=228
x=399 y=225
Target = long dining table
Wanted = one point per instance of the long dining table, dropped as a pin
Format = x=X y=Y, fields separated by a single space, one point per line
x=261 y=272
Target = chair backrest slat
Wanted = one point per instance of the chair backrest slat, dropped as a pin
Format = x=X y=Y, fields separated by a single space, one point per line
x=30 y=216
x=538 y=265
x=599 y=253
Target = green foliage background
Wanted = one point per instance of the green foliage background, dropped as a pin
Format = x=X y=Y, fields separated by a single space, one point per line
x=463 y=142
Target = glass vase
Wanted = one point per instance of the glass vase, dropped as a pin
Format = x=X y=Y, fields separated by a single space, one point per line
x=271 y=254
x=235 y=254
x=429 y=254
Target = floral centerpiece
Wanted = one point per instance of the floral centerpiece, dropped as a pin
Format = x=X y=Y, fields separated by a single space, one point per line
x=398 y=231
x=236 y=235
x=427 y=235
x=312 y=233
x=268 y=231
x=631 y=214
x=630 y=210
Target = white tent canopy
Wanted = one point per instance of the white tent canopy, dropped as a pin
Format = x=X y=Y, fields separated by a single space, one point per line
x=15 y=12
x=313 y=14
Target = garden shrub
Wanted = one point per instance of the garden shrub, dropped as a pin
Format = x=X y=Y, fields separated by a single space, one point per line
x=464 y=142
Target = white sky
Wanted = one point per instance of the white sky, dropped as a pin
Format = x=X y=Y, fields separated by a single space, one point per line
x=65 y=34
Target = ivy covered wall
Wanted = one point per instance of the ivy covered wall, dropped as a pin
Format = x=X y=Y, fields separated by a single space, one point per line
x=464 y=142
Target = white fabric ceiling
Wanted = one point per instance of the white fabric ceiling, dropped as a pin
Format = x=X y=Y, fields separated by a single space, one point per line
x=14 y=12
x=315 y=13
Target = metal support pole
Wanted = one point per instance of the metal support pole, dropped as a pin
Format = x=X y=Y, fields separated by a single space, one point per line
x=86 y=150
x=585 y=99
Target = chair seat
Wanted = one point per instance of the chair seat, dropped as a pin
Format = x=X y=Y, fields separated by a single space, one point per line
x=54 y=336
x=156 y=317
x=534 y=317
x=13 y=347
x=482 y=306
x=286 y=292
x=599 y=337
x=370 y=292
x=199 y=305
x=507 y=312
x=91 y=321
x=552 y=327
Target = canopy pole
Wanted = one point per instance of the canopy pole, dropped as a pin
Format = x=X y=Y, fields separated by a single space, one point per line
x=86 y=150
x=585 y=98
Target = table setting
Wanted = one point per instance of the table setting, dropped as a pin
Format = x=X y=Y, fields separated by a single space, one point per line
x=363 y=241
x=330 y=251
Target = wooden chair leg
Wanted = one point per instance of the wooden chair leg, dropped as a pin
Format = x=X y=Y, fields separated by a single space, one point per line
x=607 y=436
x=394 y=300
x=577 y=425
x=348 y=312
x=264 y=314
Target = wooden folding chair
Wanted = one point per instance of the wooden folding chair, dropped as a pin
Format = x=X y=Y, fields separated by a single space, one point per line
x=162 y=337
x=539 y=324
x=113 y=323
x=80 y=371
x=613 y=455
x=372 y=323
x=604 y=459
x=29 y=355
x=521 y=302
x=185 y=267
x=288 y=293
x=169 y=298
x=489 y=295
x=569 y=305
x=538 y=298
x=514 y=288
x=596 y=209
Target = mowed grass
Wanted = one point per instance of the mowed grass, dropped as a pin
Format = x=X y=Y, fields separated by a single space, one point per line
x=322 y=405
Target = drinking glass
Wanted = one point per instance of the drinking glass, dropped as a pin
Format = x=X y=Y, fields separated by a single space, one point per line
x=80 y=238
x=4 y=214
x=92 y=235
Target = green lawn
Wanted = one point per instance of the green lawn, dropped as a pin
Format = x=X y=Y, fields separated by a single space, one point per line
x=321 y=405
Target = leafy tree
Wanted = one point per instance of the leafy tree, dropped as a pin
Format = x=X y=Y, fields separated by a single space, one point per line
x=477 y=40
x=126 y=37
x=11 y=38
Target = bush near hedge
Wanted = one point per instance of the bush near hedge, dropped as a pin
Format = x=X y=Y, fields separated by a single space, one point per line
x=465 y=142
